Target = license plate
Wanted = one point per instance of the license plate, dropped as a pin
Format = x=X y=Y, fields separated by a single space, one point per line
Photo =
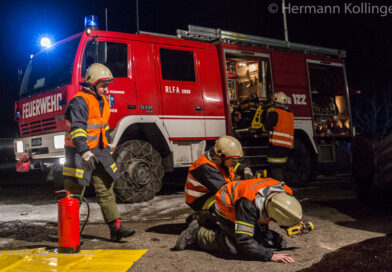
x=36 y=141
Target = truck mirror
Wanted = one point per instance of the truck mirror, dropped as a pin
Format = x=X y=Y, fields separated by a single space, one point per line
x=20 y=71
x=20 y=74
x=102 y=52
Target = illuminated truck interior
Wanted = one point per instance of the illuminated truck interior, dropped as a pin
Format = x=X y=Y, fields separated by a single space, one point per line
x=329 y=100
x=249 y=84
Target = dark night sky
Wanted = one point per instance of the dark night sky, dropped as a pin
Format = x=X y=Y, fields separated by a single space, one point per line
x=366 y=38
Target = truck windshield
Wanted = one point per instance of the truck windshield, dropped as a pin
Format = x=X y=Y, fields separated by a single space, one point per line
x=49 y=69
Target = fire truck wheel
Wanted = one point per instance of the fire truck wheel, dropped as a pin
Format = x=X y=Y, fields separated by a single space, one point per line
x=363 y=163
x=300 y=166
x=141 y=171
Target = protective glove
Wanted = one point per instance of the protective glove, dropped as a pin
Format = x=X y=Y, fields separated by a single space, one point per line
x=278 y=241
x=111 y=148
x=89 y=160
x=244 y=172
x=248 y=173
x=272 y=239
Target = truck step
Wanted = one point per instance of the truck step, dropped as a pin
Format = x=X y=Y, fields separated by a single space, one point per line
x=254 y=147
x=255 y=156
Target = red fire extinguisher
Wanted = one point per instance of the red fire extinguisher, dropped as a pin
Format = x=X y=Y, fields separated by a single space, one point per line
x=68 y=224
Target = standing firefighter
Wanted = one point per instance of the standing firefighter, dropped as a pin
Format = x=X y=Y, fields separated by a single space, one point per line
x=280 y=124
x=243 y=210
x=209 y=173
x=87 y=147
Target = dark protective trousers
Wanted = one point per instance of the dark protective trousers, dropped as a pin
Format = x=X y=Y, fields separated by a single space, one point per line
x=103 y=185
x=214 y=239
x=276 y=171
x=219 y=239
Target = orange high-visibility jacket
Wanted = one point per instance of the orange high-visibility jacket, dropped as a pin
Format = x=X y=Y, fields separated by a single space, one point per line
x=283 y=133
x=97 y=124
x=229 y=194
x=193 y=188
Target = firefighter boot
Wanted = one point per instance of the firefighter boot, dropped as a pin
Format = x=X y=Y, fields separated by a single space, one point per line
x=188 y=237
x=118 y=231
x=190 y=218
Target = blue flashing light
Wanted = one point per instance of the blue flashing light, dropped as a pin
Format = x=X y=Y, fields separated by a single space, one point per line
x=91 y=21
x=45 y=42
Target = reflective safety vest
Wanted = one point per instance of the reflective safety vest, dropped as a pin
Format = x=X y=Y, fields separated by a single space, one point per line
x=283 y=133
x=229 y=194
x=193 y=188
x=97 y=124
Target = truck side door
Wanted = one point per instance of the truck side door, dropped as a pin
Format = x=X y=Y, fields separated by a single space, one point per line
x=146 y=78
x=182 y=101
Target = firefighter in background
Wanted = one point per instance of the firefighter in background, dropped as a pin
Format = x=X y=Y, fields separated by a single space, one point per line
x=280 y=124
x=209 y=173
x=243 y=210
x=87 y=148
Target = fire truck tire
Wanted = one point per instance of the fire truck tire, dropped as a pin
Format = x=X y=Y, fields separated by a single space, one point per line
x=141 y=171
x=363 y=163
x=300 y=165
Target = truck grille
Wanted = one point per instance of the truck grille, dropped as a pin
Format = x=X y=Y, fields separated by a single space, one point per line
x=41 y=150
x=38 y=126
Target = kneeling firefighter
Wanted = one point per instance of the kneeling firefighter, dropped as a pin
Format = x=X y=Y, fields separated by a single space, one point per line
x=243 y=210
x=210 y=172
x=87 y=148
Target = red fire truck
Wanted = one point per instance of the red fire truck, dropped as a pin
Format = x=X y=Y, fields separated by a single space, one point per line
x=174 y=95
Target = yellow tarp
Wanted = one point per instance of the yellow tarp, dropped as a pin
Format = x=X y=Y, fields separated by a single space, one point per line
x=40 y=260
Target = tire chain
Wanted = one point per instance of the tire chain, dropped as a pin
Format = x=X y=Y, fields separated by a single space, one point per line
x=129 y=151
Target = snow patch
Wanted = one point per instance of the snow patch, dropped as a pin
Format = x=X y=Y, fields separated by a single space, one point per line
x=4 y=242
x=42 y=214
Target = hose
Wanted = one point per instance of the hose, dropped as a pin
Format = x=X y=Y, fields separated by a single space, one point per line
x=88 y=211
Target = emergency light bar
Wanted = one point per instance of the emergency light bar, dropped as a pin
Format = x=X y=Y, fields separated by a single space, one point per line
x=91 y=22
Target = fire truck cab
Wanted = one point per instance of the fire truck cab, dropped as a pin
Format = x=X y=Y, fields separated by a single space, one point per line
x=174 y=95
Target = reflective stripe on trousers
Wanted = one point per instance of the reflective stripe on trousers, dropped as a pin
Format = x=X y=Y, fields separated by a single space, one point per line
x=194 y=193
x=276 y=160
x=73 y=172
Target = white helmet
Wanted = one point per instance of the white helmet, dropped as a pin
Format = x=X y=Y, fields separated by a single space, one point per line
x=228 y=147
x=281 y=98
x=284 y=209
x=98 y=72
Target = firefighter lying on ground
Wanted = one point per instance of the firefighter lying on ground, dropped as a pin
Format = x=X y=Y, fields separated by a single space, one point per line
x=243 y=210
x=280 y=124
x=87 y=152
x=209 y=173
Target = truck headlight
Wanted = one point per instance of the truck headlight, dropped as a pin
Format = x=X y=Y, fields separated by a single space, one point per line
x=19 y=146
x=59 y=141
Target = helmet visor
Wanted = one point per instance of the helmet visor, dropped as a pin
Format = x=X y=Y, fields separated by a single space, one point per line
x=234 y=158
